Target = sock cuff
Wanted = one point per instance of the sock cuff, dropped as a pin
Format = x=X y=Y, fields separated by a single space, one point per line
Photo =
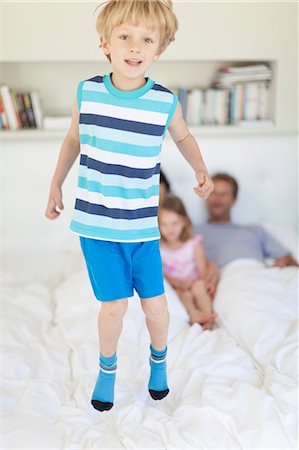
x=107 y=360
x=158 y=352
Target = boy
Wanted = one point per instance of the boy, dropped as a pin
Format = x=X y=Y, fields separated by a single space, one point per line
x=118 y=124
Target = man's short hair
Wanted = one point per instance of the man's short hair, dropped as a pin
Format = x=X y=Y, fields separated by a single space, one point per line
x=226 y=177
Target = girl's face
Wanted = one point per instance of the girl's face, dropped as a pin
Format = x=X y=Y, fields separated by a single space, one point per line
x=171 y=225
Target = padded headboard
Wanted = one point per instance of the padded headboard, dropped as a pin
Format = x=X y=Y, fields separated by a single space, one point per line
x=265 y=167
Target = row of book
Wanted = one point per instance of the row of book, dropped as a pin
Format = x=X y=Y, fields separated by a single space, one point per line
x=225 y=106
x=237 y=95
x=19 y=110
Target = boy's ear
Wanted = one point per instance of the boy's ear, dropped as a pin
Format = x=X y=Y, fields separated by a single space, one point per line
x=104 y=45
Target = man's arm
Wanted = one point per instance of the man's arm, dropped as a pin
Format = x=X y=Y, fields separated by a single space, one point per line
x=212 y=277
x=189 y=148
x=273 y=249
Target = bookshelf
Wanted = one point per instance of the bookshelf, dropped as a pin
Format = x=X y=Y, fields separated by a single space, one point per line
x=262 y=33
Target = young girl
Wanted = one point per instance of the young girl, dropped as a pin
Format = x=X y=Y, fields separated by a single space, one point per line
x=184 y=263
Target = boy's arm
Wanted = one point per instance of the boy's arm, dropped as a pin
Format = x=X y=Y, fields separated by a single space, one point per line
x=189 y=148
x=69 y=151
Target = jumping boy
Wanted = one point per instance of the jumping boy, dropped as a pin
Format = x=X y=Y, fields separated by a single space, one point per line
x=119 y=121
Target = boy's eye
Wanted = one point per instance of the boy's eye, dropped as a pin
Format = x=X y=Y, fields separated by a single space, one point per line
x=125 y=36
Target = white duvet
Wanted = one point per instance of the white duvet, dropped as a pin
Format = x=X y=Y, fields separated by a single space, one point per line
x=230 y=388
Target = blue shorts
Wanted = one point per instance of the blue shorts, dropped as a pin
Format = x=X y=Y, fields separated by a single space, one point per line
x=116 y=268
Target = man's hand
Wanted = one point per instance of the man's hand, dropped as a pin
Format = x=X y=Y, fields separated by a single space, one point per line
x=211 y=278
x=286 y=260
x=205 y=184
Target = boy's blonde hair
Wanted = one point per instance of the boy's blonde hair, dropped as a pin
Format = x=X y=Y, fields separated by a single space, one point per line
x=155 y=13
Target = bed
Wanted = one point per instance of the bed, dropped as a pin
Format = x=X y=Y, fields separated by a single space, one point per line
x=232 y=387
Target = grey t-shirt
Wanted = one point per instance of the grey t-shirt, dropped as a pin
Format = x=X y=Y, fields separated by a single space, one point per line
x=225 y=242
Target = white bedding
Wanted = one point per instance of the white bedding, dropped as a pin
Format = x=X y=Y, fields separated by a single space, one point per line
x=232 y=388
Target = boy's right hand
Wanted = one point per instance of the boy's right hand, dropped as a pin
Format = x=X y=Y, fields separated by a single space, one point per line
x=55 y=198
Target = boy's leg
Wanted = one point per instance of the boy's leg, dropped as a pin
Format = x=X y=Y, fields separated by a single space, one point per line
x=110 y=321
x=157 y=321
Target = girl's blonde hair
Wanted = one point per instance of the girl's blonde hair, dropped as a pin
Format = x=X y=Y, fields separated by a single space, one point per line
x=175 y=204
x=155 y=13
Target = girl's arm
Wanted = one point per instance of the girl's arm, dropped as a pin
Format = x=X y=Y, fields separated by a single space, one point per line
x=69 y=152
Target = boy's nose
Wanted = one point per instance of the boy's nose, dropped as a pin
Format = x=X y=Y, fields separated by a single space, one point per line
x=135 y=49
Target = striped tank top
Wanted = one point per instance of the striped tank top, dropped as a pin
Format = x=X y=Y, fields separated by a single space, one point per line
x=121 y=134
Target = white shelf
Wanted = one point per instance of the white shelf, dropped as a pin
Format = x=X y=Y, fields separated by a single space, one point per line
x=213 y=131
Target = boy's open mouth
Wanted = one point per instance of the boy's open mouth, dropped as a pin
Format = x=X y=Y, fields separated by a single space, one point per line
x=133 y=61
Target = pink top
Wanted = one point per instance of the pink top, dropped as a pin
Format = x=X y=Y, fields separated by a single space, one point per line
x=180 y=262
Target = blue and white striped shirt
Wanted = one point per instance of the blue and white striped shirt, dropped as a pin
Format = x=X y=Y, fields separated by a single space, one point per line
x=121 y=134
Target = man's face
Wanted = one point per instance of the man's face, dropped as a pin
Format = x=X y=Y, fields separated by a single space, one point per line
x=132 y=42
x=221 y=199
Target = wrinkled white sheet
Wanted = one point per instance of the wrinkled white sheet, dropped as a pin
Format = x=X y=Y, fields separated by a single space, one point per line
x=230 y=388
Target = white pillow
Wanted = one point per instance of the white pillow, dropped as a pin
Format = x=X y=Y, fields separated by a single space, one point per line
x=286 y=234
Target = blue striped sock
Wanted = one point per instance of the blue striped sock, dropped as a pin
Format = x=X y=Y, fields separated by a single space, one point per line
x=157 y=384
x=103 y=394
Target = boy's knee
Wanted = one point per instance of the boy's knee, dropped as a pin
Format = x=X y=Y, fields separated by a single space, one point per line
x=115 y=308
x=154 y=306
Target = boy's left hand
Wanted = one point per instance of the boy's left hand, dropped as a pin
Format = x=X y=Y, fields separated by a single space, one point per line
x=205 y=184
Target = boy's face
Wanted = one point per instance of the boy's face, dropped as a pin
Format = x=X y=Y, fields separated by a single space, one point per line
x=132 y=42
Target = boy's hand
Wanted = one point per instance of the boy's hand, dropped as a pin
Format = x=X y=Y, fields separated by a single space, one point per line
x=205 y=184
x=55 y=198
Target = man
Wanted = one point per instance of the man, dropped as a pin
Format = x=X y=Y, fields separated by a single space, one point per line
x=225 y=241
